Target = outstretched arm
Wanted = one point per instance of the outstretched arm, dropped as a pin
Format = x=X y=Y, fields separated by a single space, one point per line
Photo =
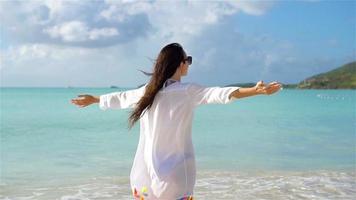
x=259 y=88
x=113 y=100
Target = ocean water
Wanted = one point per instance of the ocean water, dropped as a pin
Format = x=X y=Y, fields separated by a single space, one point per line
x=295 y=144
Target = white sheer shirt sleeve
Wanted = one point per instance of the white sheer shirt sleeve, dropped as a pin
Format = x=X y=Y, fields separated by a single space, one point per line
x=210 y=95
x=121 y=100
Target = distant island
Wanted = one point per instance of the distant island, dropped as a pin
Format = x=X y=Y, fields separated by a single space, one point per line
x=343 y=77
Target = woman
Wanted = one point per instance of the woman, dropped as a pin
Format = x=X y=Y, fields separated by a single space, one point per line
x=164 y=164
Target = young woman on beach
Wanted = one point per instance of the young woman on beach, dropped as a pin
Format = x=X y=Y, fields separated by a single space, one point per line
x=164 y=165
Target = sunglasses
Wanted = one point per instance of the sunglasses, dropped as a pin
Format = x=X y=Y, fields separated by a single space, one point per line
x=189 y=59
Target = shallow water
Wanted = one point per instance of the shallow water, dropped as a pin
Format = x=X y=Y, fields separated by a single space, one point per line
x=51 y=149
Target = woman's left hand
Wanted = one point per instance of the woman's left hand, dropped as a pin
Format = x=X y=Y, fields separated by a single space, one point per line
x=268 y=89
x=85 y=100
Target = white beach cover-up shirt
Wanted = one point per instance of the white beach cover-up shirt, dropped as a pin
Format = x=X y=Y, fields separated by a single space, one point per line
x=164 y=164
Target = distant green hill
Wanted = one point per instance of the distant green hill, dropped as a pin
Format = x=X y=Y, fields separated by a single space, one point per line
x=343 y=77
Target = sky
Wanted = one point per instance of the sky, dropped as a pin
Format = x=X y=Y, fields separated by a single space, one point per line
x=78 y=43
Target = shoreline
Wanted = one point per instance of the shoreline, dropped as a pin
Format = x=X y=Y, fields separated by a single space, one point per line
x=210 y=184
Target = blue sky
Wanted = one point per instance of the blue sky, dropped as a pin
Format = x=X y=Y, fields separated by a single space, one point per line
x=102 y=43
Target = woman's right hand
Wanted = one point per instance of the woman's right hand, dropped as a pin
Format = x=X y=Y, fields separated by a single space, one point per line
x=85 y=100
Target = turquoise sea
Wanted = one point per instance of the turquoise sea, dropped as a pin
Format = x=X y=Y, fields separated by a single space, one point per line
x=295 y=144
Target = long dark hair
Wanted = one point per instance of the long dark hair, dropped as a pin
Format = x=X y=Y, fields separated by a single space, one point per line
x=165 y=66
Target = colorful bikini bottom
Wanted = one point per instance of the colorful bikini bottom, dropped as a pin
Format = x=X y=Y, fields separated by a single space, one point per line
x=143 y=194
x=183 y=198
x=190 y=197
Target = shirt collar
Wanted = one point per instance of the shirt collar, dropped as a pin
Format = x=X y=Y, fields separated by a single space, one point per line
x=169 y=81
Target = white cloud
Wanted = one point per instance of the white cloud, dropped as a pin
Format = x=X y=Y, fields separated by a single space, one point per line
x=121 y=34
x=177 y=20
x=73 y=23
x=58 y=26
x=105 y=23
x=55 y=42
x=121 y=10
x=76 y=31
x=238 y=57
x=58 y=65
x=28 y=52
x=252 y=7
x=95 y=34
